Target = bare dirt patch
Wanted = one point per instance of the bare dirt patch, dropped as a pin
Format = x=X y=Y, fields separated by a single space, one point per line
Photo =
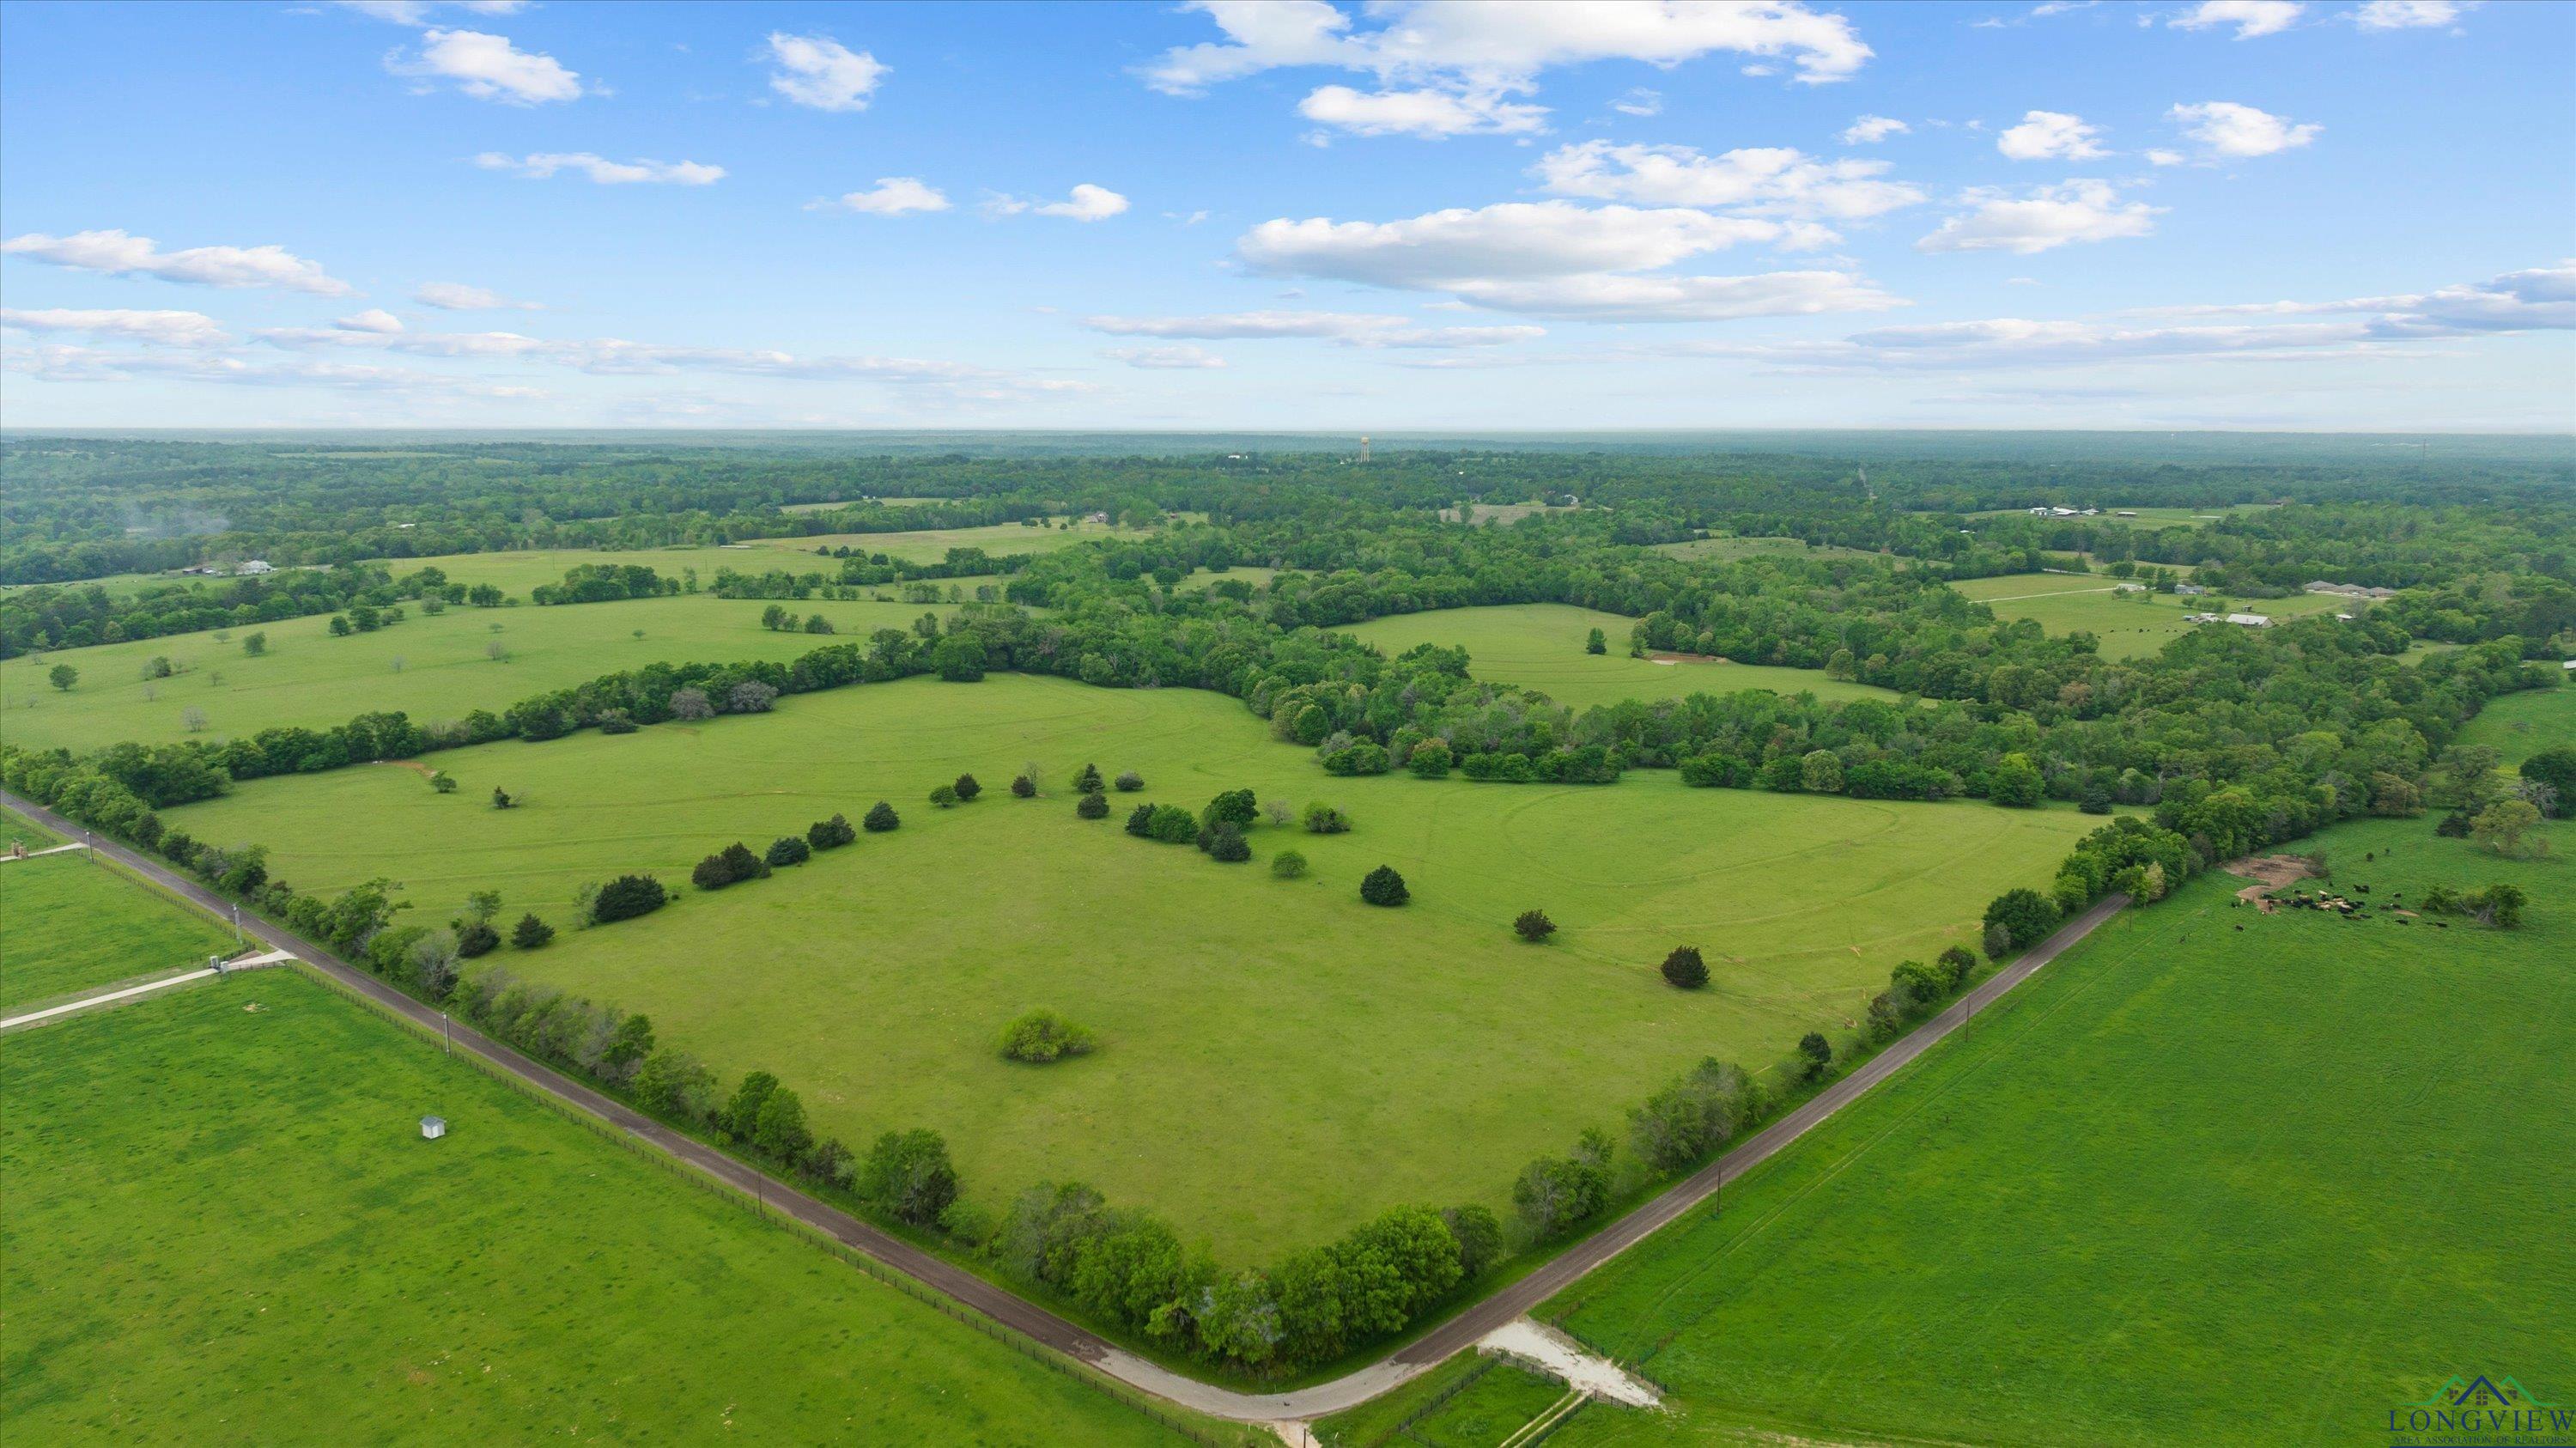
x=1668 y=658
x=414 y=765
x=2270 y=872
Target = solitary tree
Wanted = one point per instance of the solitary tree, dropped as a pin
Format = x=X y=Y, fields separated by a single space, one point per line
x=1094 y=806
x=1129 y=781
x=1816 y=1052
x=1685 y=969
x=880 y=818
x=1023 y=787
x=1533 y=925
x=531 y=932
x=1088 y=781
x=830 y=834
x=501 y=798
x=944 y=796
x=788 y=850
x=1383 y=886
x=1596 y=643
x=62 y=676
x=1288 y=865
x=255 y=644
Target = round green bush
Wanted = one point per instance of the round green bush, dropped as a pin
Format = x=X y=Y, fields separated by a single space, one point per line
x=1043 y=1036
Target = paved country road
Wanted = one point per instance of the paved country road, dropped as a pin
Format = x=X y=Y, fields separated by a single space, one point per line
x=1013 y=1311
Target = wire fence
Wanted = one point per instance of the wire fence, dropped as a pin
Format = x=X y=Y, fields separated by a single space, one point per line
x=1404 y=1427
x=1162 y=1413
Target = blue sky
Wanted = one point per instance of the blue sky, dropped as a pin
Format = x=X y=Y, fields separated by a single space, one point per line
x=2247 y=213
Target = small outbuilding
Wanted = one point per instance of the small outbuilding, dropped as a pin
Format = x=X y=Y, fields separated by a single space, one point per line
x=432 y=1127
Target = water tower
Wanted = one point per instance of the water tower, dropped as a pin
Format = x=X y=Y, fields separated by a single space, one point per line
x=1363 y=449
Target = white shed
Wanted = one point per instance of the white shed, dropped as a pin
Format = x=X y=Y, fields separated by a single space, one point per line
x=432 y=1127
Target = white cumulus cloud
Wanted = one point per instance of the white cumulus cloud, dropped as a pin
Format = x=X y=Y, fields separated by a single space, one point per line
x=2410 y=14
x=375 y=320
x=2041 y=219
x=1502 y=41
x=1554 y=258
x=156 y=328
x=892 y=196
x=539 y=165
x=2051 y=135
x=2232 y=130
x=116 y=253
x=1086 y=203
x=2250 y=17
x=1870 y=130
x=488 y=67
x=1428 y=114
x=818 y=71
x=1771 y=179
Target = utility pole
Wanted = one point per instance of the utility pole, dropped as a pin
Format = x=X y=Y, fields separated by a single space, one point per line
x=446 y=1039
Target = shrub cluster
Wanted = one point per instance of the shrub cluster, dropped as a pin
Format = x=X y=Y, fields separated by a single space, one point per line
x=1043 y=1036
x=2498 y=906
x=731 y=865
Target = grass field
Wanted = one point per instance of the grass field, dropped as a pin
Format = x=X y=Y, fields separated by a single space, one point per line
x=70 y=925
x=224 y=1227
x=2151 y=520
x=2193 y=1184
x=308 y=677
x=1279 y=1059
x=1540 y=646
x=16 y=831
x=1727 y=550
x=2519 y=726
x=2128 y=624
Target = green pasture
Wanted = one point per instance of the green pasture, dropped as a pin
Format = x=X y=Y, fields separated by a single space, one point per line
x=1540 y=646
x=2127 y=624
x=2521 y=725
x=2213 y=1177
x=929 y=545
x=1729 y=549
x=2152 y=520
x=223 y=1227
x=117 y=585
x=70 y=925
x=880 y=502
x=431 y=666
x=1279 y=1059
